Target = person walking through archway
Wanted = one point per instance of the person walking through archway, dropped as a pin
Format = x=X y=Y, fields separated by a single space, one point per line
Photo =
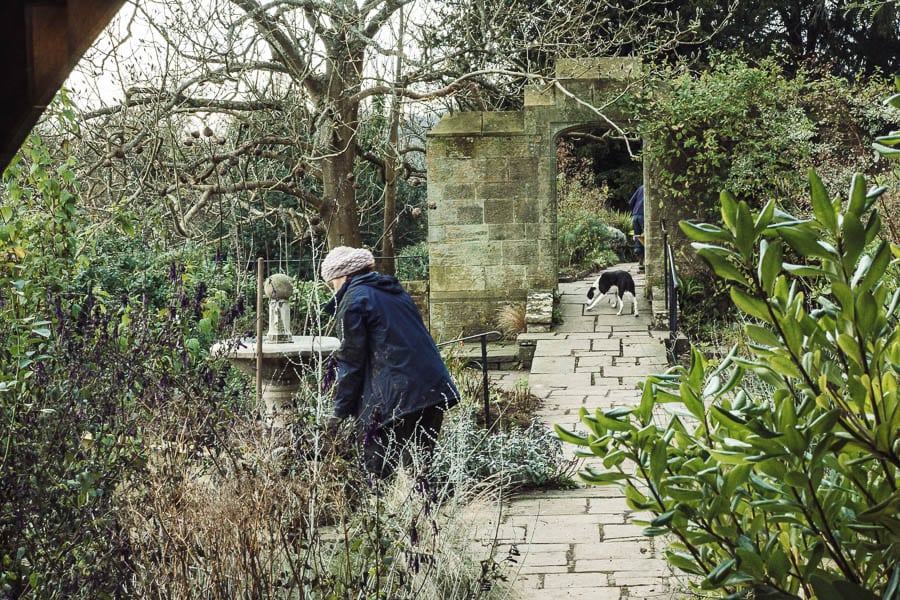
x=636 y=203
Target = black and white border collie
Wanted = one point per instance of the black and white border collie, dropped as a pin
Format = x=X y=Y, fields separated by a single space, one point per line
x=622 y=281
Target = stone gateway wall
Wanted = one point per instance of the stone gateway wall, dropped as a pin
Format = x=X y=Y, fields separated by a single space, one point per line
x=492 y=231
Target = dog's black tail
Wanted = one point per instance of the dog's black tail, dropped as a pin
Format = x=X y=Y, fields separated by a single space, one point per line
x=590 y=292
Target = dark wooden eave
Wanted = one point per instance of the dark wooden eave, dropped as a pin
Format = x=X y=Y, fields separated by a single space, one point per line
x=40 y=42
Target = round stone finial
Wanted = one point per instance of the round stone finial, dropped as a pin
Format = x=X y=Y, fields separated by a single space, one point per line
x=278 y=287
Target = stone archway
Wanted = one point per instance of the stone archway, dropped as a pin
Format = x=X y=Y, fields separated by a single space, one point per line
x=492 y=230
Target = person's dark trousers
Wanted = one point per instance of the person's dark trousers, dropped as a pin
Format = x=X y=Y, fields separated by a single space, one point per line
x=638 y=225
x=408 y=442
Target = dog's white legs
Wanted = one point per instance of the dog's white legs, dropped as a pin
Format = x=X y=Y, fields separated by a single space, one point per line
x=634 y=304
x=621 y=305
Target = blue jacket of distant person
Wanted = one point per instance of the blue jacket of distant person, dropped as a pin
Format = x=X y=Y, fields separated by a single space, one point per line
x=636 y=203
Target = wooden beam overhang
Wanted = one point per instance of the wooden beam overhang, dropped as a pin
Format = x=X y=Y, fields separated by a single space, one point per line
x=40 y=43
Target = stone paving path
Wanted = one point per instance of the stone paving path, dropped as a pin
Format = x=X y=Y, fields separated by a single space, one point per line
x=578 y=543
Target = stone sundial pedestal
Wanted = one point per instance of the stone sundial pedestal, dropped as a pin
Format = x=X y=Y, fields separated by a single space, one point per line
x=286 y=358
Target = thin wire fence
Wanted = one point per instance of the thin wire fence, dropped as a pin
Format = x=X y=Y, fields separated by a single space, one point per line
x=408 y=268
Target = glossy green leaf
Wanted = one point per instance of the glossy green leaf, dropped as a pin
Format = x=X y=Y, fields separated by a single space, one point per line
x=893 y=101
x=886 y=151
x=569 y=437
x=682 y=561
x=751 y=562
x=764 y=218
x=857 y=196
x=720 y=260
x=729 y=457
x=763 y=336
x=803 y=270
x=745 y=233
x=866 y=314
x=769 y=263
x=805 y=242
x=839 y=589
x=614 y=424
x=704 y=232
x=750 y=305
x=602 y=478
x=854 y=239
x=879 y=263
x=663 y=519
x=636 y=499
x=721 y=572
x=728 y=206
x=822 y=207
x=796 y=479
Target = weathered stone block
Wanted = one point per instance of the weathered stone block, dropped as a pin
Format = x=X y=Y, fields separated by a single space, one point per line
x=442 y=170
x=577 y=68
x=499 y=210
x=465 y=233
x=459 y=147
x=452 y=319
x=459 y=123
x=436 y=234
x=519 y=252
x=503 y=122
x=523 y=169
x=527 y=210
x=460 y=253
x=508 y=278
x=539 y=308
x=458 y=191
x=510 y=146
x=541 y=231
x=619 y=67
x=548 y=251
x=458 y=278
x=497 y=189
x=469 y=214
x=539 y=95
x=506 y=231
x=599 y=68
x=542 y=275
x=492 y=170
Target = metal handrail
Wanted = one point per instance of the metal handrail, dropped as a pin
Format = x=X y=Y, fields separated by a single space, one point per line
x=483 y=337
x=671 y=287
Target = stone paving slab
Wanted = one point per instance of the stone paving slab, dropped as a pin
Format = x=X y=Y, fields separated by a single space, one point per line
x=552 y=365
x=553 y=380
x=560 y=347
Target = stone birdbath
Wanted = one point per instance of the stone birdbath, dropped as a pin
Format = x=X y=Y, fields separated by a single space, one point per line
x=286 y=358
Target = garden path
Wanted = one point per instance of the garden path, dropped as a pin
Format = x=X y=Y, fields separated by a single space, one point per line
x=578 y=543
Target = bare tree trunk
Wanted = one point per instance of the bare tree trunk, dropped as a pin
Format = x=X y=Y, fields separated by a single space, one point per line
x=338 y=209
x=392 y=160
x=388 y=263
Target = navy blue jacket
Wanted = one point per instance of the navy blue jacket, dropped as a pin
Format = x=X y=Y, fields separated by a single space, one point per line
x=388 y=364
x=636 y=202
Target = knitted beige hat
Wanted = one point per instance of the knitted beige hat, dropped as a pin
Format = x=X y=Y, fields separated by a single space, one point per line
x=345 y=260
